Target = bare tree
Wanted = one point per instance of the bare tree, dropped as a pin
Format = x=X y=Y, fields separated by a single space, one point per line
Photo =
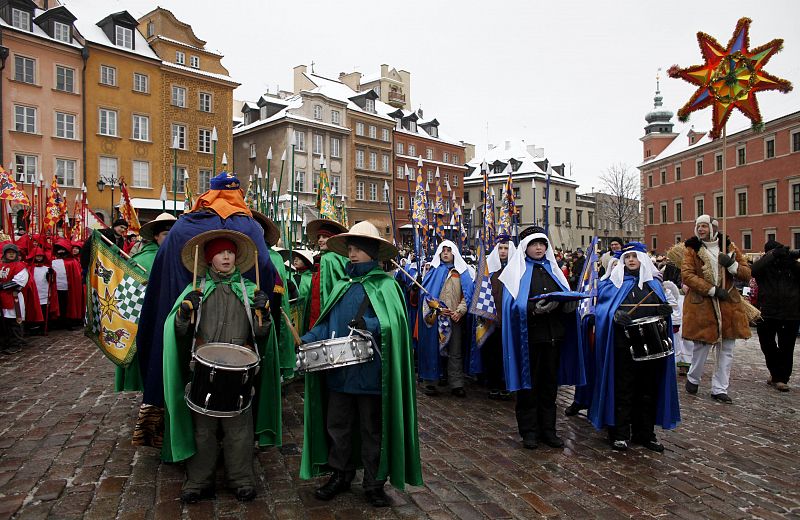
x=619 y=202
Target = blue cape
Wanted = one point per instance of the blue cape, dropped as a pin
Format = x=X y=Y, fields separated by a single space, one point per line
x=428 y=346
x=169 y=277
x=515 y=338
x=601 y=413
x=583 y=393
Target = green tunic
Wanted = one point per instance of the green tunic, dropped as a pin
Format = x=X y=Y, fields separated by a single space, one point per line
x=129 y=378
x=399 y=461
x=178 y=426
x=286 y=352
x=301 y=307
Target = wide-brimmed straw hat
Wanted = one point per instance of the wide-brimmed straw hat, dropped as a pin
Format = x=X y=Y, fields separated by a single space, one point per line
x=304 y=254
x=271 y=231
x=313 y=228
x=282 y=251
x=361 y=230
x=245 y=250
x=147 y=231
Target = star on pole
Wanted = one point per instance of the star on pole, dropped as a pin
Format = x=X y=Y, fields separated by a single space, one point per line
x=730 y=77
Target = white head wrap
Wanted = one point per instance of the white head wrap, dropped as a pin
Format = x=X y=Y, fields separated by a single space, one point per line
x=647 y=269
x=515 y=268
x=493 y=260
x=458 y=261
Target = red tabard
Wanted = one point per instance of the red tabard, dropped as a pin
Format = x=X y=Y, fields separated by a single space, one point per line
x=8 y=270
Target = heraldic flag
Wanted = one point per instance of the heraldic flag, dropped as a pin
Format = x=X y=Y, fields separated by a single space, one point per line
x=483 y=304
x=115 y=295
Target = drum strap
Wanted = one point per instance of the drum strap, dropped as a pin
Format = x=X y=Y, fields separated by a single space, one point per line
x=246 y=302
x=246 y=308
x=362 y=308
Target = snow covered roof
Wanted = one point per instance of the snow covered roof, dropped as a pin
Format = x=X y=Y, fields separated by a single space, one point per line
x=341 y=92
x=516 y=151
x=214 y=75
x=90 y=12
x=294 y=102
x=37 y=31
x=184 y=44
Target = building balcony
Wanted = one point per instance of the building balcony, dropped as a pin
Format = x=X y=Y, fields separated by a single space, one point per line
x=397 y=99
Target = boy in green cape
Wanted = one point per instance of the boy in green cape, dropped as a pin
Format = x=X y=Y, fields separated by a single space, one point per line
x=220 y=305
x=329 y=267
x=363 y=414
x=302 y=262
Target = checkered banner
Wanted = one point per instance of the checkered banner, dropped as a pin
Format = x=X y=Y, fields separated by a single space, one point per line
x=115 y=294
x=483 y=304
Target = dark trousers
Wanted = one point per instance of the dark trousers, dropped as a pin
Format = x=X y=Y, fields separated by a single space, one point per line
x=635 y=393
x=492 y=357
x=779 y=356
x=536 y=408
x=346 y=413
x=12 y=336
x=63 y=299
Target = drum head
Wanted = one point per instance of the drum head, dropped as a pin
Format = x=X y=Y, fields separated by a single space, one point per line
x=226 y=355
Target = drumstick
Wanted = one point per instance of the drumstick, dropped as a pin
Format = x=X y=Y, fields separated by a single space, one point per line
x=296 y=336
x=194 y=273
x=412 y=278
x=640 y=303
x=258 y=288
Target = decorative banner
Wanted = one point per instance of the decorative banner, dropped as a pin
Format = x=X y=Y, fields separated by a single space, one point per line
x=10 y=191
x=126 y=209
x=483 y=304
x=116 y=293
x=325 y=203
x=507 y=208
x=56 y=205
x=438 y=208
x=730 y=77
x=420 y=214
x=588 y=281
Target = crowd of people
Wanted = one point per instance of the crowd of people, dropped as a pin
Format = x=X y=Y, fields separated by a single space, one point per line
x=221 y=289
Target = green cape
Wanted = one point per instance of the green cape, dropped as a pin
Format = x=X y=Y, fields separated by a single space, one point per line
x=129 y=378
x=301 y=307
x=286 y=352
x=178 y=425
x=331 y=270
x=399 y=461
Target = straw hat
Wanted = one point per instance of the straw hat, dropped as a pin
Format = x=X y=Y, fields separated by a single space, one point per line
x=282 y=251
x=313 y=227
x=304 y=254
x=147 y=231
x=245 y=250
x=364 y=229
x=271 y=231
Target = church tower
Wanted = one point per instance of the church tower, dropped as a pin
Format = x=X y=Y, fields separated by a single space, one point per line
x=658 y=133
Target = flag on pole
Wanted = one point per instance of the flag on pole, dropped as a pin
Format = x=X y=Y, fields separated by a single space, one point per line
x=588 y=280
x=507 y=208
x=188 y=202
x=126 y=209
x=249 y=195
x=438 y=208
x=76 y=235
x=10 y=191
x=54 y=208
x=483 y=304
x=488 y=220
x=419 y=214
x=325 y=201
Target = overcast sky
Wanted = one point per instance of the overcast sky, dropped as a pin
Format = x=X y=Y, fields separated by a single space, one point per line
x=575 y=77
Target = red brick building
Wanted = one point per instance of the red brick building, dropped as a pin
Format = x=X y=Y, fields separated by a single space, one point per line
x=681 y=178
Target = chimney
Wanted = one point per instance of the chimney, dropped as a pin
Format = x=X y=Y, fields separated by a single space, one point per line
x=508 y=145
x=419 y=112
x=299 y=80
x=352 y=80
x=384 y=70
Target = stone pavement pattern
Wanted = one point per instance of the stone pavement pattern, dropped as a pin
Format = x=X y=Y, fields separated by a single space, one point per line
x=65 y=452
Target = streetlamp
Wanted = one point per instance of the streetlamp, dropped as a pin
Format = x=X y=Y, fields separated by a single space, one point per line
x=102 y=182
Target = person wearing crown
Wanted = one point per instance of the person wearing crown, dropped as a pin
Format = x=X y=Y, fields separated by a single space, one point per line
x=363 y=414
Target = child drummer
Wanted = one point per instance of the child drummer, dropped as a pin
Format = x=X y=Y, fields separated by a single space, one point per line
x=372 y=402
x=640 y=393
x=223 y=307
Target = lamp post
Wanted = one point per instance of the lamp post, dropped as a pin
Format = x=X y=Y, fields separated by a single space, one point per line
x=102 y=182
x=176 y=144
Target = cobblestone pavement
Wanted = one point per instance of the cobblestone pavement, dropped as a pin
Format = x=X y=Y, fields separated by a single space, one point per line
x=65 y=453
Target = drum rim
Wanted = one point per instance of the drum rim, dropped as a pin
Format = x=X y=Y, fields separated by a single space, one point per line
x=256 y=359
x=207 y=411
x=652 y=357
x=645 y=319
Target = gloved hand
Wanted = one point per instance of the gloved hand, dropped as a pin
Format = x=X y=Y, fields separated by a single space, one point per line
x=190 y=303
x=622 y=318
x=721 y=294
x=725 y=260
x=664 y=309
x=794 y=254
x=260 y=300
x=568 y=307
x=360 y=323
x=543 y=307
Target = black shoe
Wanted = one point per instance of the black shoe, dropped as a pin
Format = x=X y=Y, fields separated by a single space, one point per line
x=572 y=409
x=245 y=494
x=443 y=382
x=691 y=387
x=552 y=440
x=494 y=395
x=723 y=398
x=529 y=441
x=192 y=496
x=505 y=395
x=430 y=390
x=338 y=483
x=619 y=445
x=458 y=392
x=650 y=443
x=377 y=497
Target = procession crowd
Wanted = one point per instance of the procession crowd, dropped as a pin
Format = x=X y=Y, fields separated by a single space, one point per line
x=228 y=315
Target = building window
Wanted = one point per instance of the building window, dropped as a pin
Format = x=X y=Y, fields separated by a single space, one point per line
x=558 y=216
x=179 y=132
x=677 y=173
x=108 y=168
x=203 y=180
x=655 y=242
x=178 y=96
x=65 y=125
x=359 y=128
x=181 y=184
x=300 y=181
x=336 y=144
x=194 y=62
x=796 y=141
x=335 y=117
x=741 y=157
x=61 y=32
x=401 y=172
x=27 y=167
x=770 y=236
x=370 y=105
x=399 y=148
x=796 y=235
x=558 y=195
x=373 y=161
x=455 y=159
x=24 y=69
x=678 y=211
x=747 y=242
x=108 y=76
x=360 y=190
x=769 y=148
x=141 y=174
x=373 y=192
x=663 y=213
x=317 y=146
x=21 y=19
x=141 y=83
x=699 y=167
x=373 y=132
x=124 y=37
x=700 y=207
x=566 y=194
x=650 y=219
x=108 y=122
x=141 y=128
x=252 y=150
x=430 y=176
x=205 y=101
x=591 y=219
x=300 y=141
x=65 y=79
x=769 y=200
x=180 y=58
x=412 y=150
x=314 y=182
x=65 y=172
x=385 y=163
x=360 y=159
x=455 y=179
x=567 y=216
x=385 y=135
x=795 y=191
x=445 y=157
x=663 y=176
x=579 y=217
x=718 y=202
x=429 y=153
x=204 y=140
x=151 y=29
x=401 y=202
x=650 y=180
x=741 y=203
x=335 y=181
x=318 y=112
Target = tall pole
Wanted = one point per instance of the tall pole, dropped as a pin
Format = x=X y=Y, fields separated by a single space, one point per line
x=268 y=184
x=280 y=182
x=214 y=144
x=724 y=188
x=292 y=197
x=163 y=198
x=391 y=214
x=175 y=145
x=547 y=205
x=411 y=214
x=533 y=185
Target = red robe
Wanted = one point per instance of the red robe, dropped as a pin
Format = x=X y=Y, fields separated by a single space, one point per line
x=34 y=309
x=75 y=301
x=7 y=272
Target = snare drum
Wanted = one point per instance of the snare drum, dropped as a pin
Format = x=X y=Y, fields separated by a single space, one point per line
x=222 y=379
x=649 y=338
x=337 y=352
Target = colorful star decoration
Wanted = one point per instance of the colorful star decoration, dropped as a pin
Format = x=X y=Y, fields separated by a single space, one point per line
x=108 y=305
x=730 y=77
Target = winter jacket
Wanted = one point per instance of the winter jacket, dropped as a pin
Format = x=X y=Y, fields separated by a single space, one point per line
x=778 y=286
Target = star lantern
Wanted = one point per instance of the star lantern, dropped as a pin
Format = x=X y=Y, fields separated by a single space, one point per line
x=730 y=77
